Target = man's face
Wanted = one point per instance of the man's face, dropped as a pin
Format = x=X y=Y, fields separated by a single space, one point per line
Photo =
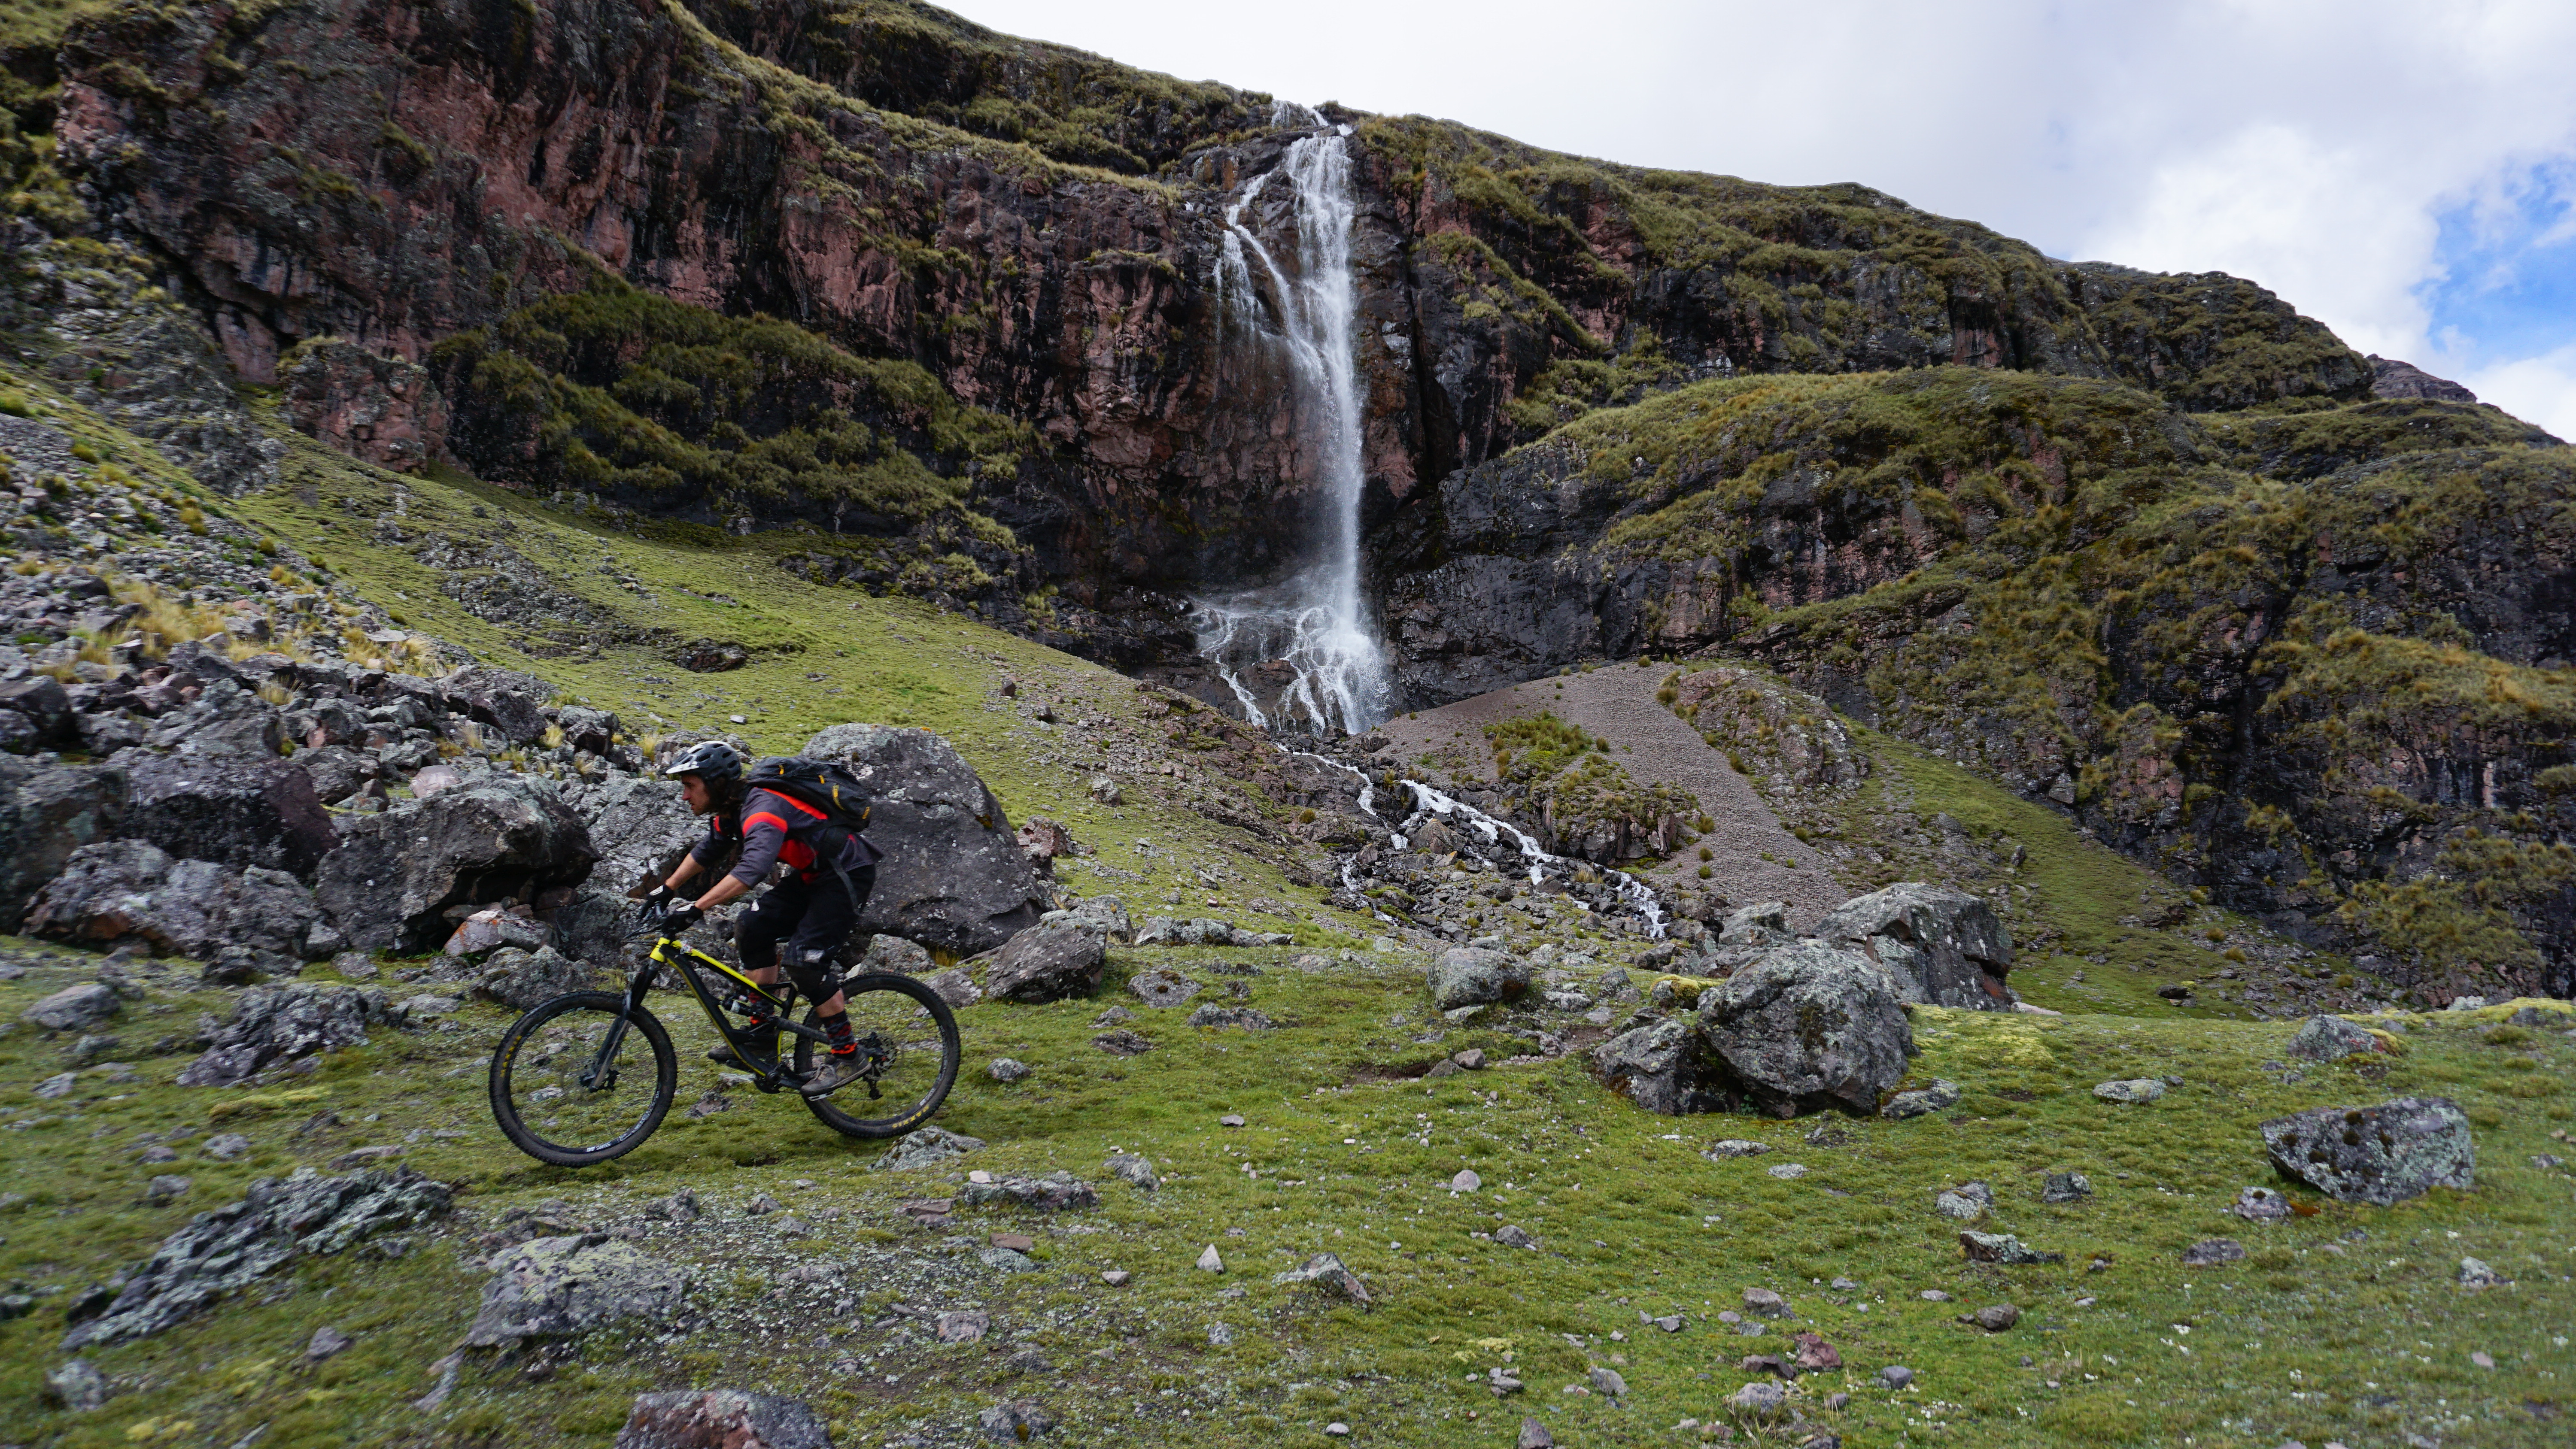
x=693 y=788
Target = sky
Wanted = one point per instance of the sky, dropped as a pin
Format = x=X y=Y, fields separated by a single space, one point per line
x=2403 y=170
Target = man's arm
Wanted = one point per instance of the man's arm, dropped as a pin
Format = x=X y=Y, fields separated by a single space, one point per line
x=687 y=872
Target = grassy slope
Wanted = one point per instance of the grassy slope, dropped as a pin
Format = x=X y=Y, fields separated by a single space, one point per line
x=2302 y=1340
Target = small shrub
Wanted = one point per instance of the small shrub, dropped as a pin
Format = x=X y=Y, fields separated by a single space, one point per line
x=1705 y=872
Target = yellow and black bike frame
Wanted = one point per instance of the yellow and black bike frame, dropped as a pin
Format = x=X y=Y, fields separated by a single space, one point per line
x=757 y=1049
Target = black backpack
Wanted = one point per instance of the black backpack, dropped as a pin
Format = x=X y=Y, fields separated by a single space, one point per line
x=827 y=787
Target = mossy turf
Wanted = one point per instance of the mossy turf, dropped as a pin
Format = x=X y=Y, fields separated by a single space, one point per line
x=2345 y=1324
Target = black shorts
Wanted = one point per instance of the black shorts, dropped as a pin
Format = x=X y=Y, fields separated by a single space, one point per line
x=813 y=919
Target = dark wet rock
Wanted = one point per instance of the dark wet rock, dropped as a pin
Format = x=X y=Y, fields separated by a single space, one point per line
x=1665 y=1067
x=501 y=837
x=1944 y=947
x=130 y=890
x=222 y=1251
x=336 y=771
x=74 y=1008
x=43 y=713
x=273 y=1024
x=1044 y=963
x=2381 y=1154
x=261 y=812
x=2330 y=1039
x=1807 y=1026
x=722 y=1419
x=46 y=812
x=594 y=926
x=710 y=656
x=226 y=722
x=953 y=878
x=565 y=1286
x=1467 y=976
x=501 y=707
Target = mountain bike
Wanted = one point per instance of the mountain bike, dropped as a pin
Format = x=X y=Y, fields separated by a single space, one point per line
x=587 y=1076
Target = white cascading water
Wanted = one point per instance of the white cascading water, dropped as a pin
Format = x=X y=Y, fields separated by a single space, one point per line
x=1314 y=629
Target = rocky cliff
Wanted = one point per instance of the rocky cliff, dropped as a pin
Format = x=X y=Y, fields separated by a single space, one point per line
x=944 y=303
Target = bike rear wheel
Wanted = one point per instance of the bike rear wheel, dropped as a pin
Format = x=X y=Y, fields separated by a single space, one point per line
x=561 y=1098
x=908 y=1039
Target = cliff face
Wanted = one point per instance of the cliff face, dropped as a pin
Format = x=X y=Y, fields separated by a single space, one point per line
x=947 y=301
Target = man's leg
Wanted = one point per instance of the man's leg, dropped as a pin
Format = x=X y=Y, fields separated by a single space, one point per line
x=756 y=934
x=831 y=914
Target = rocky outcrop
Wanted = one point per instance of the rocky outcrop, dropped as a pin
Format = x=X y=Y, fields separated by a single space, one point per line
x=278 y=1219
x=396 y=875
x=2390 y=378
x=129 y=890
x=1666 y=1067
x=46 y=813
x=261 y=812
x=382 y=409
x=1944 y=947
x=1044 y=963
x=566 y=1286
x=953 y=877
x=273 y=1025
x=722 y=1419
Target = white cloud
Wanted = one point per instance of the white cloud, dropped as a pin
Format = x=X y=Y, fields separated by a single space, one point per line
x=2536 y=389
x=2311 y=145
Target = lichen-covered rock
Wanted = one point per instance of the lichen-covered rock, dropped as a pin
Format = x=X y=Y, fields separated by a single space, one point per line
x=1468 y=976
x=561 y=1287
x=499 y=837
x=1203 y=931
x=1665 y=1067
x=1944 y=947
x=2381 y=1154
x=1044 y=963
x=2330 y=1039
x=273 y=1024
x=1763 y=924
x=639 y=825
x=1105 y=914
x=953 y=877
x=1804 y=1027
x=521 y=979
x=722 y=1419
x=1053 y=1192
x=1940 y=1096
x=221 y=1251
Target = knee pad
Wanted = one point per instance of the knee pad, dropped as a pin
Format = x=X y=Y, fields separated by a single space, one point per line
x=812 y=970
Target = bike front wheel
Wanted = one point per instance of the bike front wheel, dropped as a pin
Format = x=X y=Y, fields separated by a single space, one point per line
x=571 y=1088
x=907 y=1039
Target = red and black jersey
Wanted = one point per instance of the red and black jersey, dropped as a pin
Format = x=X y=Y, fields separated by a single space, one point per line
x=774 y=828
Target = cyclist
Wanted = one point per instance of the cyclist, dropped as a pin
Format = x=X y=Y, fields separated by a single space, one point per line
x=812 y=909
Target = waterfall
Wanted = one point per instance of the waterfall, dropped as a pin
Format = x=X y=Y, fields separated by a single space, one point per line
x=1308 y=642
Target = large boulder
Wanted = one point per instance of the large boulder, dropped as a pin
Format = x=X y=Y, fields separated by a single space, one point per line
x=228 y=1249
x=226 y=722
x=1944 y=947
x=1470 y=976
x=953 y=878
x=639 y=825
x=1807 y=1026
x=122 y=890
x=274 y=1024
x=46 y=813
x=520 y=979
x=721 y=1419
x=1045 y=963
x=560 y=1287
x=503 y=701
x=255 y=811
x=497 y=838
x=1665 y=1067
x=74 y=1008
x=2379 y=1155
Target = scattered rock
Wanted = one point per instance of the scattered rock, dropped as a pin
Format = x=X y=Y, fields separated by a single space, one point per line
x=1472 y=1059
x=2066 y=1187
x=1212 y=1017
x=1210 y=1261
x=1764 y=1303
x=1766 y=924
x=1466 y=976
x=1016 y=1422
x=273 y=1024
x=710 y=656
x=326 y=1341
x=1122 y=1043
x=224 y=1250
x=1808 y=1026
x=2330 y=1039
x=2475 y=1275
x=1814 y=1355
x=965 y=1325
x=1995 y=1318
x=560 y=1287
x=166 y=1187
x=2380 y=1155
x=1104 y=914
x=2137 y=1089
x=1200 y=931
x=1512 y=1236
x=1046 y=963
x=233 y=811
x=1726 y=1147
x=1534 y=1435
x=1758 y=1400
x=521 y=979
x=74 y=1008
x=1007 y=1070
x=925 y=1147
x=1162 y=988
x=1054 y=1192
x=2002 y=1248
x=722 y=1419
x=1944 y=947
x=1135 y=1170
x=1325 y=1274
x=129 y=890
x=48 y=811
x=2210 y=1252
x=1967 y=1202
x=77 y=1386
x=1896 y=1376
x=1939 y=1097
x=2260 y=1205
x=1116 y=1277
x=1608 y=1381
x=1787 y=1171
x=1465 y=1181
x=1006 y=1260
